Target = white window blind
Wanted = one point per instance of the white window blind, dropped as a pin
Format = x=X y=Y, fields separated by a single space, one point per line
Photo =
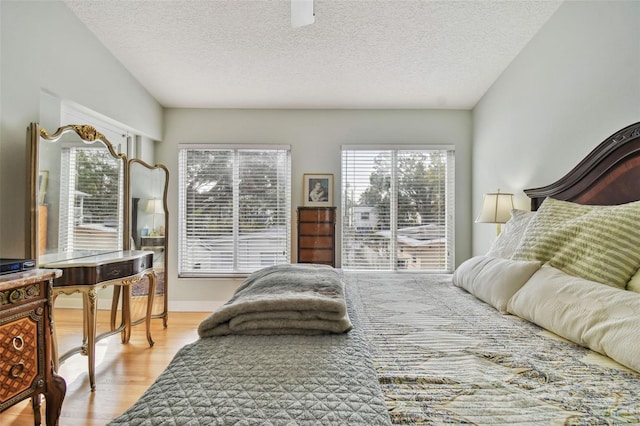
x=92 y=191
x=234 y=209
x=398 y=208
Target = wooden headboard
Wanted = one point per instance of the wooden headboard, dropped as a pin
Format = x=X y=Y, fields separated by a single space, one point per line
x=609 y=175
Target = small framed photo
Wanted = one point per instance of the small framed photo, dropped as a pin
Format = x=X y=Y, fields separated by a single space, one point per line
x=318 y=190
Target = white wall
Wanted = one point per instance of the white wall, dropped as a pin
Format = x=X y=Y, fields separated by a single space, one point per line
x=49 y=57
x=576 y=83
x=45 y=49
x=315 y=137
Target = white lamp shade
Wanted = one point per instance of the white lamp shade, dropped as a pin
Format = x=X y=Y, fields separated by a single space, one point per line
x=154 y=206
x=496 y=208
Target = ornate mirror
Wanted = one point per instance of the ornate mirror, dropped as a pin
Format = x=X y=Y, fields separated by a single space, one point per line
x=148 y=186
x=78 y=184
x=78 y=194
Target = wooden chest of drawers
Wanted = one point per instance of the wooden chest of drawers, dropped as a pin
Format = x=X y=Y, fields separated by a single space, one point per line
x=316 y=235
x=26 y=370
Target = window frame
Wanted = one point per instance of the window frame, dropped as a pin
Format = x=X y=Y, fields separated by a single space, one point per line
x=394 y=247
x=234 y=270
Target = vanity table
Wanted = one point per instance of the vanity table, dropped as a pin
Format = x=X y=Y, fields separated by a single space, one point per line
x=86 y=275
x=152 y=243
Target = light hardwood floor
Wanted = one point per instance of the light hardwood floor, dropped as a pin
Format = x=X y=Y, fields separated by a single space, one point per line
x=123 y=371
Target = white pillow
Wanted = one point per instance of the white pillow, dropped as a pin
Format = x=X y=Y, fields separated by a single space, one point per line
x=603 y=318
x=507 y=242
x=494 y=280
x=634 y=282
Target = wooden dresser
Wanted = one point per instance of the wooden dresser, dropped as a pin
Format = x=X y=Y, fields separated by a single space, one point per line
x=26 y=370
x=317 y=235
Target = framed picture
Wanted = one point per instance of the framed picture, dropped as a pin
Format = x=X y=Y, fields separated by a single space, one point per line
x=318 y=190
x=43 y=180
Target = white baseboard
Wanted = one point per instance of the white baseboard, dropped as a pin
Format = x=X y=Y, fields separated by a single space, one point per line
x=194 y=305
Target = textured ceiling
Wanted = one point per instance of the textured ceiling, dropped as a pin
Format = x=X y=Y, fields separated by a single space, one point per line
x=357 y=54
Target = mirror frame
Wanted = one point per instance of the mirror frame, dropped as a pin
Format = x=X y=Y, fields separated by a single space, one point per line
x=127 y=246
x=87 y=134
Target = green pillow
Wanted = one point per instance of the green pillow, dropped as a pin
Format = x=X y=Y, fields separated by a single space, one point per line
x=598 y=243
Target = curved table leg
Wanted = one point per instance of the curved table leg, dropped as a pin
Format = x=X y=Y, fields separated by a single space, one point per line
x=35 y=404
x=126 y=313
x=90 y=321
x=54 y=338
x=85 y=322
x=114 y=305
x=150 y=299
x=56 y=390
x=165 y=297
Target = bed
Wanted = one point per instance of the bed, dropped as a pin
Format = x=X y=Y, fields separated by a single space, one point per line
x=510 y=337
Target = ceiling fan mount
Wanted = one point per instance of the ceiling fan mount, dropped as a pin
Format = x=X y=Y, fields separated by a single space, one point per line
x=302 y=13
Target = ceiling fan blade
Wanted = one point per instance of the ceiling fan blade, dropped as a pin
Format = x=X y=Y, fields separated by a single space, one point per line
x=302 y=13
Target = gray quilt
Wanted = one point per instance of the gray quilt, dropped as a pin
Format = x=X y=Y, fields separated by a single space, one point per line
x=326 y=379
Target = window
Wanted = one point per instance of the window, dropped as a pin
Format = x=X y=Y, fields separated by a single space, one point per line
x=397 y=207
x=92 y=191
x=234 y=209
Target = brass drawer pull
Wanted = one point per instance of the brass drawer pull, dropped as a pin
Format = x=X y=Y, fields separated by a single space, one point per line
x=18 y=343
x=17 y=370
x=114 y=272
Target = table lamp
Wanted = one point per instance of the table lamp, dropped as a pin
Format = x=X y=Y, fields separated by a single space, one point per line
x=154 y=206
x=496 y=208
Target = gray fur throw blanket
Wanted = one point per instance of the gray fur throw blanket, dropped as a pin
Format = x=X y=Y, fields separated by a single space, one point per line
x=283 y=299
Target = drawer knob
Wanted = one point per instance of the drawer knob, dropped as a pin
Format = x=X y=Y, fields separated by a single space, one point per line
x=18 y=343
x=114 y=272
x=17 y=370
